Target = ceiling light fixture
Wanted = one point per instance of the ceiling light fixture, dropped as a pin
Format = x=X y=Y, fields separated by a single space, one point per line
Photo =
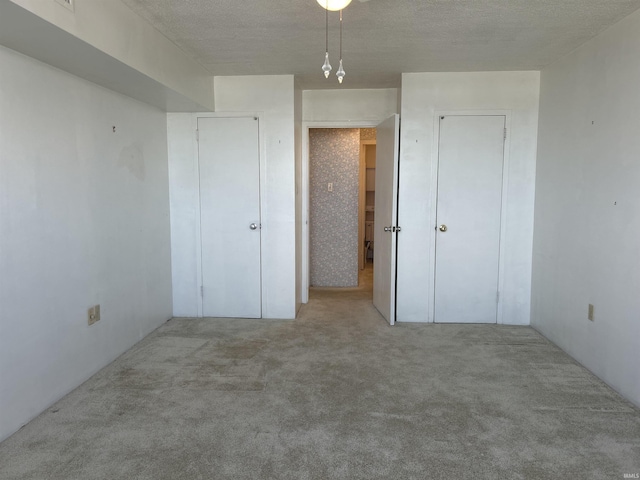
x=334 y=5
x=340 y=73
x=326 y=68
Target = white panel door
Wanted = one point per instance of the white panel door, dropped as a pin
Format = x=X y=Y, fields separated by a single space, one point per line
x=470 y=168
x=386 y=218
x=228 y=152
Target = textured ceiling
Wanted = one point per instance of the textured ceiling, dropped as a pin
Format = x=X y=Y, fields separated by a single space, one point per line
x=382 y=38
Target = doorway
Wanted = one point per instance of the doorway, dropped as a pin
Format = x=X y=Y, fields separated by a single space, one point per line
x=367 y=200
x=341 y=205
x=386 y=228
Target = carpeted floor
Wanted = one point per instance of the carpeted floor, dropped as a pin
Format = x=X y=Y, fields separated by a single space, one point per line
x=336 y=394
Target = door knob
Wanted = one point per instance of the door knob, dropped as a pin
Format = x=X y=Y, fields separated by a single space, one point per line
x=442 y=228
x=387 y=229
x=253 y=226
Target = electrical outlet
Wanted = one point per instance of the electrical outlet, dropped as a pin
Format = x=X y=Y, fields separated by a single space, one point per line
x=93 y=314
x=590 y=313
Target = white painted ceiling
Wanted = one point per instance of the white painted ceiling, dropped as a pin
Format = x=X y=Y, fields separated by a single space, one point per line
x=382 y=38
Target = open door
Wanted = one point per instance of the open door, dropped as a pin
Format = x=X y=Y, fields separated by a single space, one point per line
x=386 y=218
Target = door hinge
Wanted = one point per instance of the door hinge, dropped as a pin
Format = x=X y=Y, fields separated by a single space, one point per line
x=197 y=135
x=505 y=133
x=202 y=291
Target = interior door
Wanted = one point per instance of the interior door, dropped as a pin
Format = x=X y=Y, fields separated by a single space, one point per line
x=469 y=206
x=386 y=217
x=229 y=160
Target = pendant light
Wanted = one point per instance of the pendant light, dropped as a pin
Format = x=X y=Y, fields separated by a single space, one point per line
x=333 y=5
x=340 y=73
x=326 y=68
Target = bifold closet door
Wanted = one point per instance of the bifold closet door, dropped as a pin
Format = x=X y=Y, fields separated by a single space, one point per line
x=228 y=150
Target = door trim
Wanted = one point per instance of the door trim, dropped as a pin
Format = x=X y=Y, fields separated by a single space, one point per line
x=263 y=176
x=304 y=287
x=433 y=200
x=362 y=195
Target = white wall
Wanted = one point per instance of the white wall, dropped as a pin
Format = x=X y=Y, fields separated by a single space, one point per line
x=185 y=214
x=358 y=106
x=587 y=222
x=424 y=96
x=84 y=220
x=273 y=98
x=113 y=28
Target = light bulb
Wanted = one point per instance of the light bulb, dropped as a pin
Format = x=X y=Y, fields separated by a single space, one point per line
x=334 y=5
x=340 y=73
x=326 y=68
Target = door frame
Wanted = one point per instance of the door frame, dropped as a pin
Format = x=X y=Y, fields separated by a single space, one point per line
x=263 y=177
x=362 y=199
x=435 y=152
x=306 y=126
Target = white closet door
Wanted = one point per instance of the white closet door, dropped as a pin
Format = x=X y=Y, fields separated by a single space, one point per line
x=470 y=165
x=228 y=152
x=385 y=218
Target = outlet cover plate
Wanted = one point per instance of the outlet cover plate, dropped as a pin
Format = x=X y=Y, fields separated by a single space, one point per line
x=93 y=314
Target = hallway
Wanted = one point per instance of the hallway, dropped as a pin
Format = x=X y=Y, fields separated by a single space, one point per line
x=335 y=394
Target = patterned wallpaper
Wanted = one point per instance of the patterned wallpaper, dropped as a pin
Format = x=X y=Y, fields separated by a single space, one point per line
x=334 y=155
x=367 y=134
